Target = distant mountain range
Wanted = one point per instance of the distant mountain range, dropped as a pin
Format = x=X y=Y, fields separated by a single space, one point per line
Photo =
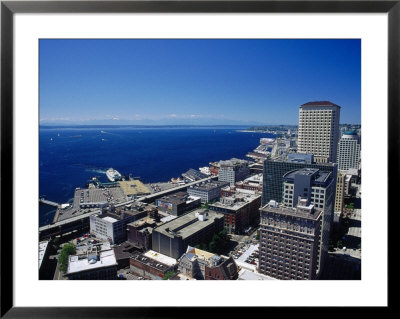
x=149 y=122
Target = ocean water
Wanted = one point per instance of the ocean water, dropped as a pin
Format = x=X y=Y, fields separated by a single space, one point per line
x=69 y=157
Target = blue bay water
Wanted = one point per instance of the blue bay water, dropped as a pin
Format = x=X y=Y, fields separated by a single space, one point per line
x=69 y=157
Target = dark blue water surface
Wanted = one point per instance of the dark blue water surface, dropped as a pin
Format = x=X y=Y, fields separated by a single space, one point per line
x=69 y=157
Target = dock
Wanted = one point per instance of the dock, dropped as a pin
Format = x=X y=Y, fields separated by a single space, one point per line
x=48 y=202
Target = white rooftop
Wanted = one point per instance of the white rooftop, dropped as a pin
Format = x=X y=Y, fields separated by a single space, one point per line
x=246 y=191
x=107 y=259
x=192 y=198
x=110 y=219
x=245 y=274
x=255 y=178
x=166 y=260
x=168 y=218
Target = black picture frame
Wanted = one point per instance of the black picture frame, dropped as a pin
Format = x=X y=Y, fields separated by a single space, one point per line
x=9 y=8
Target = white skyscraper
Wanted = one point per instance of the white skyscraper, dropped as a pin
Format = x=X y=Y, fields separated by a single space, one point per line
x=349 y=148
x=319 y=130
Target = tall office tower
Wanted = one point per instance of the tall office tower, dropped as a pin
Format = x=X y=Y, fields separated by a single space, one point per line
x=273 y=172
x=289 y=239
x=349 y=147
x=318 y=188
x=319 y=130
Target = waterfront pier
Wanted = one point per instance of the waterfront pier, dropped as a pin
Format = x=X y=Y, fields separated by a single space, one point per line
x=48 y=202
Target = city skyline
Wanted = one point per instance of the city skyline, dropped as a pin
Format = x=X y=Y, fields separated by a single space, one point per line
x=196 y=82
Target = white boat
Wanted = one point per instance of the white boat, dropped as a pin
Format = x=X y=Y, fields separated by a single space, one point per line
x=113 y=175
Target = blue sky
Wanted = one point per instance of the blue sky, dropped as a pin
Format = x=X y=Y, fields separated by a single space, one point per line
x=196 y=81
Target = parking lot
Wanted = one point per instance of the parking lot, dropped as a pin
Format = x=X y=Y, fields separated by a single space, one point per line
x=86 y=200
x=248 y=254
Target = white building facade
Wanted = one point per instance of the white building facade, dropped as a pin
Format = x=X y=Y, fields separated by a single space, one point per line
x=319 y=130
x=349 y=148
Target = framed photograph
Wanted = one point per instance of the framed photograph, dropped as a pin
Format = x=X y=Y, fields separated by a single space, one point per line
x=105 y=105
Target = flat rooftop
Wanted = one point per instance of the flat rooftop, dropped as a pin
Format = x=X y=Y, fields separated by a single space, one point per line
x=319 y=177
x=233 y=162
x=134 y=187
x=78 y=264
x=160 y=257
x=207 y=186
x=176 y=198
x=188 y=224
x=199 y=253
x=118 y=215
x=294 y=212
x=245 y=274
x=155 y=260
x=319 y=103
x=258 y=178
x=236 y=201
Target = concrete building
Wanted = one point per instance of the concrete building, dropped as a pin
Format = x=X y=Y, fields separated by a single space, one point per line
x=151 y=265
x=233 y=170
x=203 y=265
x=245 y=274
x=318 y=188
x=273 y=176
x=289 y=239
x=349 y=149
x=173 y=238
x=253 y=183
x=193 y=175
x=301 y=158
x=319 y=130
x=178 y=203
x=339 y=198
x=123 y=254
x=94 y=266
x=111 y=224
x=207 y=191
x=139 y=232
x=240 y=210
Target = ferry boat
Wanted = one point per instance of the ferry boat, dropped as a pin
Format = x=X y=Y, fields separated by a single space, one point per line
x=113 y=175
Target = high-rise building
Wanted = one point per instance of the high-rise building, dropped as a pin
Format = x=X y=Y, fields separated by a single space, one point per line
x=273 y=176
x=339 y=198
x=289 y=240
x=233 y=170
x=349 y=147
x=318 y=188
x=319 y=130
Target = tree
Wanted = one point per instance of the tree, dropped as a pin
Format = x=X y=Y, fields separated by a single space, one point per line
x=219 y=242
x=169 y=274
x=66 y=251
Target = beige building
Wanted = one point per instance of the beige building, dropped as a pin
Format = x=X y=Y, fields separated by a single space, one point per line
x=339 y=198
x=319 y=130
